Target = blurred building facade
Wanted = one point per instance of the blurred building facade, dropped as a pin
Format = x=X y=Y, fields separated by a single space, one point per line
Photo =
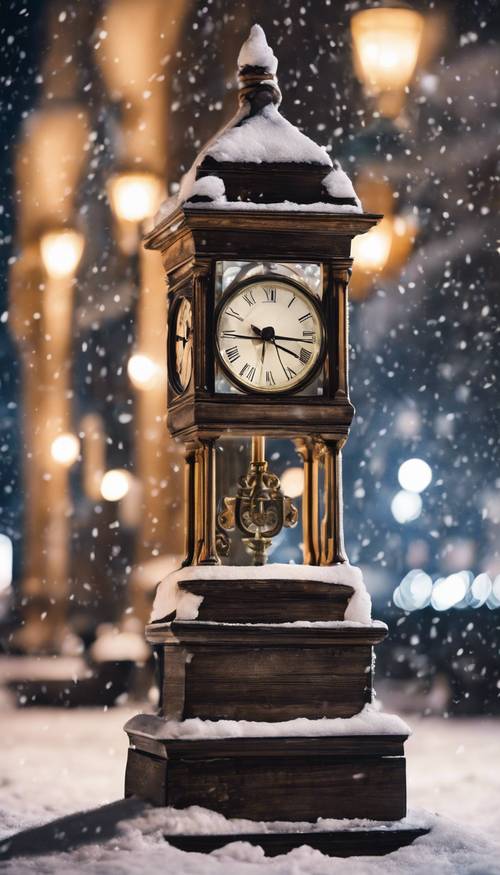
x=117 y=98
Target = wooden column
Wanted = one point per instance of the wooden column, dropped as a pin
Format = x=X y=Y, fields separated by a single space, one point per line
x=340 y=276
x=310 y=512
x=207 y=502
x=190 y=499
x=332 y=532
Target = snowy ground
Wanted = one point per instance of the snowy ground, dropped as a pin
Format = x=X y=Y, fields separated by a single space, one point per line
x=54 y=762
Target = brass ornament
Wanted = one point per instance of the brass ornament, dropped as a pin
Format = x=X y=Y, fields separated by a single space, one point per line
x=260 y=509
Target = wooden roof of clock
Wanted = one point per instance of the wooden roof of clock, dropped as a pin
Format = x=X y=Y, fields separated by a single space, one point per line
x=260 y=173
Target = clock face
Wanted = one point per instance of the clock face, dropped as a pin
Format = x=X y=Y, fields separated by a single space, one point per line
x=181 y=345
x=269 y=335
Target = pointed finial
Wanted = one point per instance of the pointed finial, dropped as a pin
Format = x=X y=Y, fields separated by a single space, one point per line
x=257 y=65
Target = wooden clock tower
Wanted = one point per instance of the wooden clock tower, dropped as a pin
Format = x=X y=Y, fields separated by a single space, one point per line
x=256 y=249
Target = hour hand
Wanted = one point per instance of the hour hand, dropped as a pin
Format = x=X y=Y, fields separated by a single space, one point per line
x=257 y=330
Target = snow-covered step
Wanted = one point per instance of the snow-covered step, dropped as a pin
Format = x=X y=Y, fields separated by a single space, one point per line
x=273 y=776
x=267 y=600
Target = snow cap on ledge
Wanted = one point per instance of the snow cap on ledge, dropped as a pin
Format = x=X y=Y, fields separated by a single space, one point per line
x=171 y=598
x=236 y=169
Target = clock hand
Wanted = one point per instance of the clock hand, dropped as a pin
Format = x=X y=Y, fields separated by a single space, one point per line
x=242 y=337
x=285 y=349
x=277 y=348
x=298 y=339
x=273 y=340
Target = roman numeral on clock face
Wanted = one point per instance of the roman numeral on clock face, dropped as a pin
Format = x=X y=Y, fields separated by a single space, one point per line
x=310 y=334
x=291 y=373
x=305 y=355
x=249 y=298
x=248 y=372
x=270 y=381
x=270 y=295
x=232 y=353
x=305 y=317
x=232 y=312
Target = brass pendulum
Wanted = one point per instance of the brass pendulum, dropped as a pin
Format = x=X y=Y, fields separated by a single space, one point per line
x=259 y=510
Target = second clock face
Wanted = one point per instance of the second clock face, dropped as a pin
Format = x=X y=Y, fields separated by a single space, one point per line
x=269 y=335
x=182 y=345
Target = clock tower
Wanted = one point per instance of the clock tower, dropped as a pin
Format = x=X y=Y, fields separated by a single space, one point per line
x=256 y=250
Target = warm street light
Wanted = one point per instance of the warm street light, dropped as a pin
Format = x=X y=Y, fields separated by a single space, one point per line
x=143 y=371
x=370 y=251
x=65 y=449
x=134 y=195
x=115 y=484
x=386 y=43
x=61 y=252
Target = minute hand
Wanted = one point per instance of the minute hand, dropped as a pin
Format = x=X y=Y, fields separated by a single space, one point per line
x=297 y=339
x=285 y=349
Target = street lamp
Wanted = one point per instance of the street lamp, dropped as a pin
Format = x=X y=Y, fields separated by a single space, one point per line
x=370 y=251
x=61 y=252
x=383 y=250
x=134 y=195
x=386 y=43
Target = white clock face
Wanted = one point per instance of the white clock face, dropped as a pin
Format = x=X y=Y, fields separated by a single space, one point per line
x=269 y=335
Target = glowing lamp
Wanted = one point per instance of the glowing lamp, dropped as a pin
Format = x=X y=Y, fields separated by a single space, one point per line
x=386 y=42
x=65 y=449
x=143 y=371
x=115 y=484
x=61 y=252
x=134 y=195
x=371 y=250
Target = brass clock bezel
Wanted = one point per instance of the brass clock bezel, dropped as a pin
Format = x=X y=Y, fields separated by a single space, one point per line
x=315 y=303
x=175 y=383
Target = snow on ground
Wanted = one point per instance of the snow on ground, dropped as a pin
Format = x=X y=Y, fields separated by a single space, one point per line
x=54 y=762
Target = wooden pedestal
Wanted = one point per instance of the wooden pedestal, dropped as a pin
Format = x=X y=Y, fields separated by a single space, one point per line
x=249 y=670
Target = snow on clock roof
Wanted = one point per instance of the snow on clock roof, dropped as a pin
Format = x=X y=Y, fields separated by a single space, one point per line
x=259 y=135
x=267 y=137
x=255 y=51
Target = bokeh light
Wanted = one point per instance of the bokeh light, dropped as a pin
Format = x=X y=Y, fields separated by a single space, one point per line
x=65 y=449
x=406 y=506
x=292 y=482
x=115 y=484
x=143 y=371
x=414 y=475
x=134 y=196
x=61 y=252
